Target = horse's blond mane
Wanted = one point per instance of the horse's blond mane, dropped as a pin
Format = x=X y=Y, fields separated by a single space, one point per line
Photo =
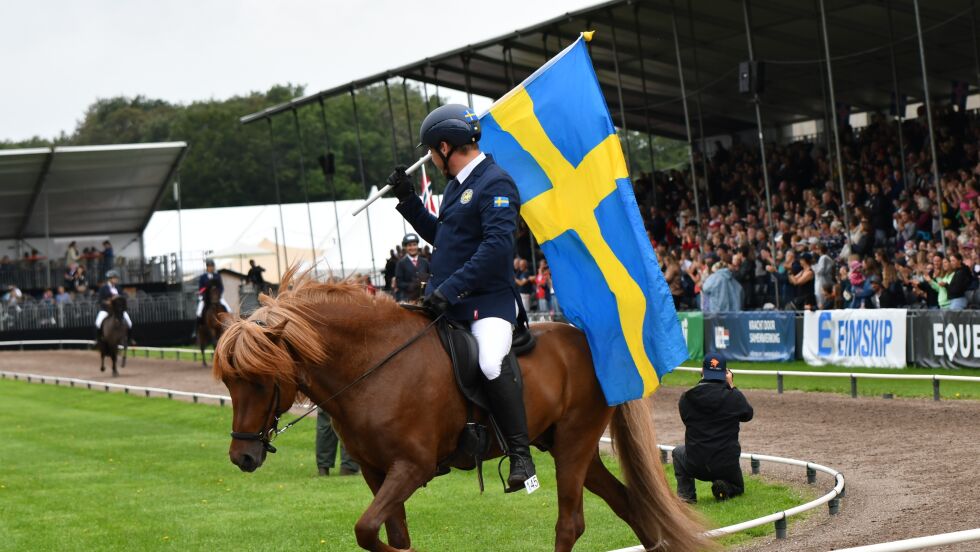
x=282 y=334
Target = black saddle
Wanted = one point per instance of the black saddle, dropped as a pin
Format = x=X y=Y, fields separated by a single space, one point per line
x=465 y=356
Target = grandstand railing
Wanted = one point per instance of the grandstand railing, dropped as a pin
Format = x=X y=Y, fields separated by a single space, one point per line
x=142 y=308
x=40 y=275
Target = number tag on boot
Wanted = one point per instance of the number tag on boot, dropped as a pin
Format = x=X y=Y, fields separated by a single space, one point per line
x=532 y=484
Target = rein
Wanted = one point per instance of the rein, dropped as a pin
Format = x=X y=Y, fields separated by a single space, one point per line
x=266 y=436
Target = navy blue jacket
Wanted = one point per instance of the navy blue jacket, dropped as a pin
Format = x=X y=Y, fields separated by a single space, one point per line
x=207 y=277
x=473 y=239
x=407 y=276
x=106 y=295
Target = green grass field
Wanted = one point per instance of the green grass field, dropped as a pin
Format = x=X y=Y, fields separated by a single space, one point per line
x=85 y=470
x=868 y=387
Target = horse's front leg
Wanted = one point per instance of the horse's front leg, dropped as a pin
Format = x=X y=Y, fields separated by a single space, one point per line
x=125 y=350
x=397 y=525
x=389 y=502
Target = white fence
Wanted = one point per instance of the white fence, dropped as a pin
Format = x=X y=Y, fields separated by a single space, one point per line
x=780 y=374
x=831 y=498
x=919 y=543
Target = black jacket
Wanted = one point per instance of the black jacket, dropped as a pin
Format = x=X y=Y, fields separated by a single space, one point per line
x=959 y=284
x=711 y=412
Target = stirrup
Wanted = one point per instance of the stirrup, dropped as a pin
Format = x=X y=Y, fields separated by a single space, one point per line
x=522 y=467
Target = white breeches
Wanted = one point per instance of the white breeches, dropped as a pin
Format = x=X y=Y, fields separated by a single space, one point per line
x=200 y=306
x=100 y=318
x=494 y=336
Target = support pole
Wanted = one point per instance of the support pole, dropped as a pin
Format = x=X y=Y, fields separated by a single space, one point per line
x=47 y=238
x=779 y=384
x=360 y=166
x=756 y=464
x=781 y=528
x=836 y=126
x=899 y=108
x=275 y=181
x=646 y=108
x=973 y=32
x=697 y=106
x=935 y=390
x=687 y=124
x=833 y=103
x=619 y=95
x=932 y=133
x=306 y=191
x=425 y=91
x=762 y=148
x=408 y=117
x=854 y=387
x=466 y=76
x=180 y=244
x=328 y=174
x=394 y=138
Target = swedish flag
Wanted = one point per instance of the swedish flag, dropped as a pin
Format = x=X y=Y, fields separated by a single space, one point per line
x=554 y=135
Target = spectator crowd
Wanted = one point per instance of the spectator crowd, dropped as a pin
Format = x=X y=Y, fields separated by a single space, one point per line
x=878 y=246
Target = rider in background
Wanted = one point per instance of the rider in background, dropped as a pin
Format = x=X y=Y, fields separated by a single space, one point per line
x=210 y=277
x=106 y=293
x=411 y=271
x=472 y=273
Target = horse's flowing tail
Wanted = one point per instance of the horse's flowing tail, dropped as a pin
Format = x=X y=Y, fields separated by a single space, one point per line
x=659 y=515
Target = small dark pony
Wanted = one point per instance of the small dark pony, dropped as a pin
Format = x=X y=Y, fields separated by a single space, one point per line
x=114 y=333
x=399 y=421
x=210 y=327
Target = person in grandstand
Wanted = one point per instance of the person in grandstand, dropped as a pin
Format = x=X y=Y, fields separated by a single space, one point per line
x=711 y=411
x=412 y=270
x=472 y=272
x=106 y=293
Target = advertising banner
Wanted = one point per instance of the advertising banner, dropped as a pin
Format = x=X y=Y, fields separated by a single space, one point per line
x=855 y=337
x=692 y=324
x=946 y=339
x=751 y=336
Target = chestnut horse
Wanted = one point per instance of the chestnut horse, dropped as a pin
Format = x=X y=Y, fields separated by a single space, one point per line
x=399 y=420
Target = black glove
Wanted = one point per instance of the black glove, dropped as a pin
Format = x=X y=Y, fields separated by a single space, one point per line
x=400 y=184
x=436 y=303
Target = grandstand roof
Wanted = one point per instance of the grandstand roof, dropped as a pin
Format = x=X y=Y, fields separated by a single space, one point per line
x=712 y=36
x=84 y=190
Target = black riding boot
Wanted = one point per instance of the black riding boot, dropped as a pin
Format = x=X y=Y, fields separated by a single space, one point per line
x=197 y=325
x=507 y=406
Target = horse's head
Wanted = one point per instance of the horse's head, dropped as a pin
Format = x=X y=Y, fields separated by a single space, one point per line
x=259 y=361
x=213 y=294
x=118 y=305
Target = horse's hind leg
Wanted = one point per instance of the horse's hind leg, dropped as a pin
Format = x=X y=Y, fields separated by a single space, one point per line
x=396 y=526
x=604 y=484
x=398 y=486
x=125 y=351
x=114 y=371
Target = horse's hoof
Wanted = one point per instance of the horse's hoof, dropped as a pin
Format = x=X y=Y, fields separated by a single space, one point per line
x=115 y=374
x=102 y=368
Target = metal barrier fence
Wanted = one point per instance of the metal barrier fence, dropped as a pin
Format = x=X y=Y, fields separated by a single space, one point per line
x=143 y=308
x=831 y=498
x=780 y=374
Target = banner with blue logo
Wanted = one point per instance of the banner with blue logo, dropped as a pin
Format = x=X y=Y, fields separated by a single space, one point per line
x=855 y=337
x=751 y=336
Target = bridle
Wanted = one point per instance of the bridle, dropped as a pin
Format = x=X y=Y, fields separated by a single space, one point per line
x=266 y=436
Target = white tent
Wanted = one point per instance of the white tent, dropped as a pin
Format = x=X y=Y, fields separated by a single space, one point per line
x=216 y=231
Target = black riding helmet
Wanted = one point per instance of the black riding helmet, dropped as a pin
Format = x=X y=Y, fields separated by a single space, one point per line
x=455 y=124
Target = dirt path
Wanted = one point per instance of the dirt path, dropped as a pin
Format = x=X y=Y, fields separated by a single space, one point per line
x=909 y=464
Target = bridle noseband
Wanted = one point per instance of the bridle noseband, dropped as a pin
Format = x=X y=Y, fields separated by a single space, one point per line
x=265 y=436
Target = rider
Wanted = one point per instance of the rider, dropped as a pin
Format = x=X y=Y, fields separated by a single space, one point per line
x=210 y=277
x=106 y=293
x=472 y=277
x=411 y=270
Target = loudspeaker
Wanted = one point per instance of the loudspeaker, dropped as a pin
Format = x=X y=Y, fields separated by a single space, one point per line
x=751 y=76
x=326 y=164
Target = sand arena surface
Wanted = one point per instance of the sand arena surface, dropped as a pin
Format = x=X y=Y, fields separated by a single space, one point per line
x=909 y=464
